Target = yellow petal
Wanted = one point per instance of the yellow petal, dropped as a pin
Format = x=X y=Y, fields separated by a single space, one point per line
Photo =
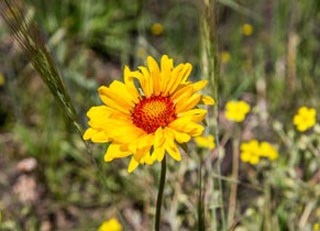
x=182 y=94
x=172 y=150
x=187 y=71
x=159 y=137
x=185 y=105
x=146 y=140
x=170 y=146
x=100 y=137
x=147 y=84
x=114 y=103
x=89 y=133
x=141 y=153
x=119 y=93
x=132 y=165
x=158 y=153
x=166 y=64
x=116 y=151
x=147 y=159
x=197 y=114
x=180 y=122
x=176 y=78
x=180 y=137
x=153 y=66
x=208 y=100
x=199 y=85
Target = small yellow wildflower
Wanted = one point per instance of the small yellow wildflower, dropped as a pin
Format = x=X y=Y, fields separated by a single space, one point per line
x=225 y=57
x=2 y=80
x=247 y=29
x=157 y=29
x=205 y=141
x=305 y=118
x=110 y=225
x=252 y=151
x=236 y=110
x=147 y=115
x=267 y=150
x=316 y=227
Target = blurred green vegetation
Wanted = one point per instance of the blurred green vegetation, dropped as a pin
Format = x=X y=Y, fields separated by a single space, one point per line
x=276 y=69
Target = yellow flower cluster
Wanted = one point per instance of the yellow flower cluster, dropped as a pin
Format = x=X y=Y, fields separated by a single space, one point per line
x=110 y=225
x=237 y=110
x=205 y=141
x=305 y=118
x=252 y=151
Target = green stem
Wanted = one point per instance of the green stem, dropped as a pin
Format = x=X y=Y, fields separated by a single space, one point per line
x=160 y=194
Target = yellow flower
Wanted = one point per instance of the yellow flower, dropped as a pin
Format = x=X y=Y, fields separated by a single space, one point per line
x=252 y=151
x=267 y=150
x=236 y=110
x=247 y=29
x=316 y=227
x=205 y=141
x=305 y=118
x=148 y=122
x=225 y=57
x=2 y=79
x=157 y=29
x=110 y=225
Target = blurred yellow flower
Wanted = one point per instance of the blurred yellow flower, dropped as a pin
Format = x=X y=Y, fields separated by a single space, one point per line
x=252 y=151
x=110 y=225
x=247 y=29
x=147 y=118
x=157 y=29
x=2 y=79
x=236 y=110
x=267 y=150
x=305 y=118
x=225 y=57
x=205 y=141
x=316 y=227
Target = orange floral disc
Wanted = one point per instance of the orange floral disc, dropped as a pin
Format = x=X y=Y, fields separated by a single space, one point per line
x=154 y=112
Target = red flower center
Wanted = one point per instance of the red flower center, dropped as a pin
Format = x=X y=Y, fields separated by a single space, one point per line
x=154 y=112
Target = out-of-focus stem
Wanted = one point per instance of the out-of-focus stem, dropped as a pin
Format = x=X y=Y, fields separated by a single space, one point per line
x=234 y=185
x=210 y=71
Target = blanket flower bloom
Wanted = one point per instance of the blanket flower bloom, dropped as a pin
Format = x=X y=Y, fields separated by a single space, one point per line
x=148 y=121
x=305 y=118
